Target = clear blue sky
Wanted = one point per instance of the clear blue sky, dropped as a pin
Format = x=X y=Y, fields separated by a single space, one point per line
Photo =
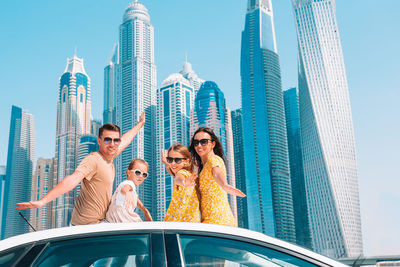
x=36 y=37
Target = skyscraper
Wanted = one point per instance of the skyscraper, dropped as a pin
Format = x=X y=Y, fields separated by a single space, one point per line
x=20 y=158
x=73 y=120
x=189 y=74
x=240 y=178
x=210 y=111
x=269 y=196
x=174 y=103
x=2 y=185
x=327 y=136
x=42 y=183
x=138 y=93
x=87 y=144
x=302 y=225
x=111 y=81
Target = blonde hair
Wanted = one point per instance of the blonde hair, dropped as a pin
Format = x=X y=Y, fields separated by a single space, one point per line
x=134 y=161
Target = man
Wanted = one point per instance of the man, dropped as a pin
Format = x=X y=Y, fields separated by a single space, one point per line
x=96 y=172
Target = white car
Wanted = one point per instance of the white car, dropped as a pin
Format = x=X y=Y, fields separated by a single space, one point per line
x=154 y=244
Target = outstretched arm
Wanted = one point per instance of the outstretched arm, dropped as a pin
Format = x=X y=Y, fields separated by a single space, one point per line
x=220 y=178
x=165 y=162
x=66 y=185
x=127 y=137
x=147 y=215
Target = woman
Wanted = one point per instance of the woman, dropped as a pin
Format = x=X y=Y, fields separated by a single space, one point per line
x=207 y=154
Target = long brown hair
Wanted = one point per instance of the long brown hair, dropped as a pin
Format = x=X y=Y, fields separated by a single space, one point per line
x=218 y=149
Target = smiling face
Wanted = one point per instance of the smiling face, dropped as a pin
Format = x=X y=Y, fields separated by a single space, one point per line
x=108 y=149
x=135 y=178
x=175 y=167
x=204 y=150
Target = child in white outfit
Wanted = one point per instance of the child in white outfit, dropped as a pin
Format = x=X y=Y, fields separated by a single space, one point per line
x=125 y=198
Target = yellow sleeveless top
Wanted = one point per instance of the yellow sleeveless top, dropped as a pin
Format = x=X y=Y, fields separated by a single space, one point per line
x=184 y=205
x=214 y=200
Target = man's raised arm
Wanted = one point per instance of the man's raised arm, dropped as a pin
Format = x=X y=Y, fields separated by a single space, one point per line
x=127 y=137
x=66 y=185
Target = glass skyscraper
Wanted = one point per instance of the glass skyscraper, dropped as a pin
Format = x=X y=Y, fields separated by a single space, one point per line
x=327 y=134
x=138 y=94
x=189 y=74
x=73 y=120
x=240 y=178
x=20 y=160
x=111 y=82
x=42 y=183
x=210 y=111
x=174 y=103
x=269 y=196
x=302 y=226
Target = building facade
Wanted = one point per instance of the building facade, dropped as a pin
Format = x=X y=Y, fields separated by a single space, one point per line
x=137 y=94
x=73 y=120
x=240 y=178
x=210 y=111
x=111 y=83
x=20 y=160
x=189 y=74
x=302 y=226
x=42 y=183
x=269 y=201
x=175 y=101
x=327 y=134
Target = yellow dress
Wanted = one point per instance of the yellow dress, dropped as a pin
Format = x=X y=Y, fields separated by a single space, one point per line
x=214 y=200
x=184 y=205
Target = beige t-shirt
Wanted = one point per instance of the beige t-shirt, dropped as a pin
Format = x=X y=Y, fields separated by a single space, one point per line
x=96 y=190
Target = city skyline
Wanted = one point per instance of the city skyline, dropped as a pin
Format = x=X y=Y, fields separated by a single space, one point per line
x=196 y=60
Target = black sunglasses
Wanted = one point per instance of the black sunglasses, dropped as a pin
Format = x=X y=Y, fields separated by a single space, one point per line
x=202 y=142
x=108 y=140
x=140 y=173
x=177 y=160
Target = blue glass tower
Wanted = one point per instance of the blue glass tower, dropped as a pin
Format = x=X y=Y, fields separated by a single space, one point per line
x=210 y=111
x=20 y=158
x=237 y=133
x=269 y=200
x=302 y=226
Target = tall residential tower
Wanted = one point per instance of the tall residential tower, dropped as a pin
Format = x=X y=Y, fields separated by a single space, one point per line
x=138 y=94
x=327 y=134
x=270 y=207
x=20 y=160
x=73 y=120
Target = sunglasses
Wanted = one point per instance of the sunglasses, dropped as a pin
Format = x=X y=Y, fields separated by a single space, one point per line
x=140 y=173
x=108 y=140
x=202 y=142
x=177 y=160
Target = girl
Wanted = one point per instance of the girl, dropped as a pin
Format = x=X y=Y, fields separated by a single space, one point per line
x=184 y=205
x=125 y=198
x=207 y=153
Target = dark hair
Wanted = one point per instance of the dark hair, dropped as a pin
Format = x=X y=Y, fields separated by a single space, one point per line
x=218 y=149
x=134 y=161
x=185 y=152
x=109 y=127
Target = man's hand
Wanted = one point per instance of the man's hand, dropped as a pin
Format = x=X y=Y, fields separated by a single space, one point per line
x=29 y=205
x=142 y=118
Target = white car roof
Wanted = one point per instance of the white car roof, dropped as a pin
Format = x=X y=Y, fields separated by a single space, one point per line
x=193 y=228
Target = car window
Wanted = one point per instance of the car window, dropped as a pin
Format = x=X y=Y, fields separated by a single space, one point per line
x=122 y=250
x=213 y=251
x=11 y=256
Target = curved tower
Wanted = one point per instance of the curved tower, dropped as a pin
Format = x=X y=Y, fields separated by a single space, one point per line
x=327 y=134
x=137 y=93
x=73 y=120
x=270 y=207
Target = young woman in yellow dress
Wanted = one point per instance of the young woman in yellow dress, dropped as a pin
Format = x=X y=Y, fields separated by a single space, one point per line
x=208 y=155
x=184 y=205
